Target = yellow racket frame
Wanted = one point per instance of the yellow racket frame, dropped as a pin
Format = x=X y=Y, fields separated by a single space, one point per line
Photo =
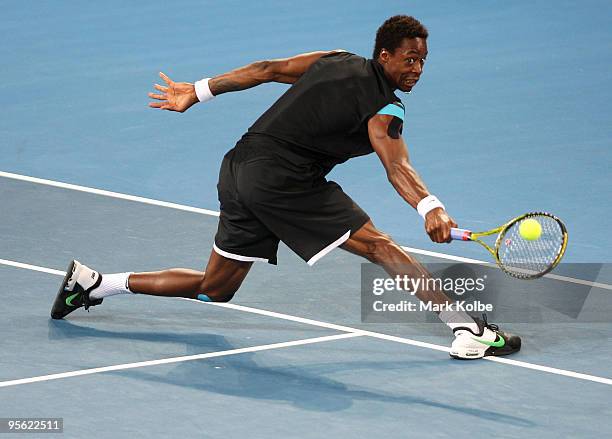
x=501 y=230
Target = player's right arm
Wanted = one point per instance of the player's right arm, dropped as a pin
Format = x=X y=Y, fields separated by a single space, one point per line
x=384 y=131
x=180 y=96
x=284 y=70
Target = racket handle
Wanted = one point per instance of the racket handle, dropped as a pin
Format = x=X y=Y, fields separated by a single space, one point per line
x=461 y=234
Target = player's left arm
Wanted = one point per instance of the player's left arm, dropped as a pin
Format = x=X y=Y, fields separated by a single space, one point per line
x=384 y=131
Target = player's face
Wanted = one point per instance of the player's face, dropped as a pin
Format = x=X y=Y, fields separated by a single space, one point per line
x=404 y=66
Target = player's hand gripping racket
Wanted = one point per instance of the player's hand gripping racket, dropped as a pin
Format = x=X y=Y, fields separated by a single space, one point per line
x=527 y=247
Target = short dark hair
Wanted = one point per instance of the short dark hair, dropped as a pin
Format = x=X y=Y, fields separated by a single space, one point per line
x=390 y=35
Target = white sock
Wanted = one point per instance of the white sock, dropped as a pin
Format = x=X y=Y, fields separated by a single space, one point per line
x=111 y=285
x=456 y=319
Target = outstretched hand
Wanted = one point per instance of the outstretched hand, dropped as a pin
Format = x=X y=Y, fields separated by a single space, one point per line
x=438 y=225
x=176 y=96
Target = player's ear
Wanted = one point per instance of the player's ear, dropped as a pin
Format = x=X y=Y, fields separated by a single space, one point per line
x=384 y=56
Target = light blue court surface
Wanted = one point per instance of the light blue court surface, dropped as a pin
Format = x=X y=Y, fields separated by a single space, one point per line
x=512 y=115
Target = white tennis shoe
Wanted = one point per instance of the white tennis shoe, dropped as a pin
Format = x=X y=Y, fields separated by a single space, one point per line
x=490 y=341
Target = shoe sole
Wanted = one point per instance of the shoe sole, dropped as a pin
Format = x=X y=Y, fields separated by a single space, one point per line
x=59 y=301
x=489 y=352
x=457 y=357
x=473 y=354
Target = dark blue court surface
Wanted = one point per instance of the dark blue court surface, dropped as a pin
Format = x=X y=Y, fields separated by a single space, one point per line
x=512 y=115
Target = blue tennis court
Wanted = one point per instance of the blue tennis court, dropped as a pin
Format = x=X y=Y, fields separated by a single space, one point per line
x=511 y=115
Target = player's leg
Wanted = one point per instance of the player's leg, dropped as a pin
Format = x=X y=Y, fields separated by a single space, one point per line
x=241 y=239
x=84 y=287
x=379 y=248
x=474 y=338
x=220 y=280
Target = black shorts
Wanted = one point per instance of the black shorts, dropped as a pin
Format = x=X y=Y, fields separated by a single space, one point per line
x=269 y=194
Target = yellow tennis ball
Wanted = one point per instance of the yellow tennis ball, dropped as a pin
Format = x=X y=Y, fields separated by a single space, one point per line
x=530 y=229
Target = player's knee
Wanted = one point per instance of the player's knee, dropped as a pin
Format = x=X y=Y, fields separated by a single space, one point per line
x=218 y=293
x=217 y=296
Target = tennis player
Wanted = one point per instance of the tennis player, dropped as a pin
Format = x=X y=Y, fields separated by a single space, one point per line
x=273 y=187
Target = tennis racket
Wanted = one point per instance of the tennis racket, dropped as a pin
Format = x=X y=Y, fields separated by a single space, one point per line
x=517 y=256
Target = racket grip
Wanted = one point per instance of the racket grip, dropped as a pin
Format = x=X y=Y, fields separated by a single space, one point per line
x=461 y=234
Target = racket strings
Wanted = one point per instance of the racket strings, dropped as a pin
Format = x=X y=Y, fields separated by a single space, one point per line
x=527 y=258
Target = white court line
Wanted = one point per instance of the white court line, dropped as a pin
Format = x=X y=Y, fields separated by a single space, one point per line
x=554 y=370
x=182 y=207
x=267 y=347
x=547 y=369
x=90 y=190
x=278 y=315
x=32 y=267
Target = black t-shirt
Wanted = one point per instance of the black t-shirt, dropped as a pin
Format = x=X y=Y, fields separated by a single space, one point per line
x=326 y=112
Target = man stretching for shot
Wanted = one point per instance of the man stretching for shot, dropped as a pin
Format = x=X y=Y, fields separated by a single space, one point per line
x=272 y=184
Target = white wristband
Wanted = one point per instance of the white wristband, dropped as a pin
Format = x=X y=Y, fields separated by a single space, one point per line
x=203 y=90
x=428 y=204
